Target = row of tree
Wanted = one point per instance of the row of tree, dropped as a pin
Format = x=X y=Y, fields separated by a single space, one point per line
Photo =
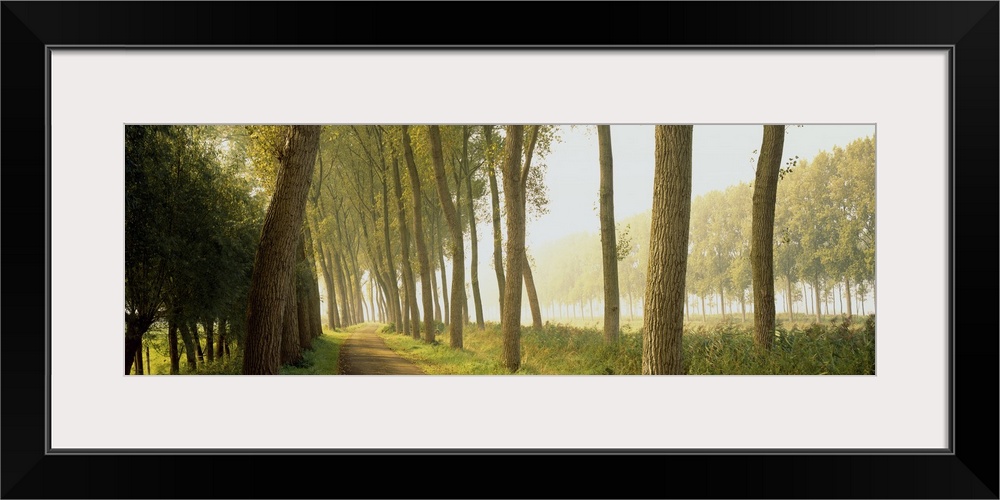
x=384 y=206
x=824 y=246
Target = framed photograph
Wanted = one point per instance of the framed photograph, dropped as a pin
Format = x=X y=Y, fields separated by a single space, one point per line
x=906 y=91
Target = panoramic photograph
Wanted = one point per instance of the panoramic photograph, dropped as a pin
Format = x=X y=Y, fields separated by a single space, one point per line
x=470 y=249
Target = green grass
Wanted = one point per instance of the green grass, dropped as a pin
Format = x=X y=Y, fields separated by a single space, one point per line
x=724 y=348
x=322 y=359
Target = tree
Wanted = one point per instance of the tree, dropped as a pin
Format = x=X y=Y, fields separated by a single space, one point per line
x=663 y=318
x=418 y=234
x=275 y=258
x=473 y=232
x=404 y=234
x=495 y=213
x=513 y=184
x=762 y=234
x=609 y=249
x=457 y=241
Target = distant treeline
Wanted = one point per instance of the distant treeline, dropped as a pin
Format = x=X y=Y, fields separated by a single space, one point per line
x=824 y=251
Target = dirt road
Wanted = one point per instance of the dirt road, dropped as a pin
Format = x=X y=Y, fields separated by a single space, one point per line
x=365 y=353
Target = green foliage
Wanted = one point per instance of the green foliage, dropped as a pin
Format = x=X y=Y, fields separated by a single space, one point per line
x=191 y=224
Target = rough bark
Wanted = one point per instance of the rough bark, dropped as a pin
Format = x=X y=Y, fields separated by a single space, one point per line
x=411 y=316
x=291 y=351
x=457 y=242
x=609 y=248
x=765 y=191
x=422 y=258
x=663 y=309
x=275 y=257
x=510 y=322
x=303 y=297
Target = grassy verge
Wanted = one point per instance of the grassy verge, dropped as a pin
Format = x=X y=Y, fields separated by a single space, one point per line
x=723 y=349
x=322 y=359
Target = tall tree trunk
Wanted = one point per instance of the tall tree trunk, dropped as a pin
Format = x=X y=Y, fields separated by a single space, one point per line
x=315 y=309
x=847 y=292
x=743 y=309
x=477 y=298
x=197 y=342
x=345 y=296
x=703 y=318
x=495 y=203
x=457 y=242
x=394 y=309
x=133 y=340
x=359 y=296
x=291 y=351
x=371 y=296
x=663 y=311
x=609 y=248
x=722 y=303
x=221 y=345
x=765 y=190
x=189 y=350
x=791 y=312
x=529 y=285
x=332 y=317
x=303 y=297
x=445 y=296
x=138 y=361
x=411 y=317
x=175 y=357
x=818 y=309
x=510 y=312
x=149 y=369
x=422 y=258
x=209 y=339
x=275 y=255
x=434 y=283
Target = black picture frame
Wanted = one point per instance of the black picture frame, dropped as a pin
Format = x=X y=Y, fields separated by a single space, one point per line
x=968 y=470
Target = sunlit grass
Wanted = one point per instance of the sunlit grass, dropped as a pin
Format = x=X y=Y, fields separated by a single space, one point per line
x=724 y=348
